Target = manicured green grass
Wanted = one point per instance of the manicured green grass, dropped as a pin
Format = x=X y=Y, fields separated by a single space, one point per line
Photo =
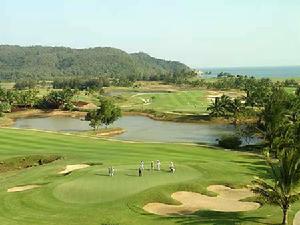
x=90 y=197
x=194 y=101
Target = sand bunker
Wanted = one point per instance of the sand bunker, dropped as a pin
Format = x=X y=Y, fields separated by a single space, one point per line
x=297 y=219
x=70 y=168
x=211 y=95
x=23 y=188
x=228 y=200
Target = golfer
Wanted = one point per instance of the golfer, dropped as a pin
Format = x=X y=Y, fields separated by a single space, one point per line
x=112 y=171
x=109 y=171
x=142 y=165
x=158 y=165
x=152 y=165
x=172 y=167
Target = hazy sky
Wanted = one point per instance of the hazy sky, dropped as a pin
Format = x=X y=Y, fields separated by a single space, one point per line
x=197 y=32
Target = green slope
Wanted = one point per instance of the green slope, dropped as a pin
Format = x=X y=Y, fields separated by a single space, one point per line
x=90 y=197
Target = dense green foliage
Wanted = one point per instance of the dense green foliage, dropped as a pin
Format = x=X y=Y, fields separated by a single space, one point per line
x=25 y=84
x=57 y=100
x=106 y=114
x=39 y=62
x=230 y=142
x=26 y=98
x=81 y=84
x=279 y=117
x=285 y=170
x=4 y=108
x=224 y=106
x=279 y=124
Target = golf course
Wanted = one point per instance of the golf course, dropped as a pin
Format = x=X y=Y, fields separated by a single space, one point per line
x=161 y=112
x=90 y=196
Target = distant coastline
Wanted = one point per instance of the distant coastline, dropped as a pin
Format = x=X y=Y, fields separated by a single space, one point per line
x=267 y=71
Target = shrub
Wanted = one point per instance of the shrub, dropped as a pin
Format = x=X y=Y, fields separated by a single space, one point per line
x=231 y=142
x=4 y=108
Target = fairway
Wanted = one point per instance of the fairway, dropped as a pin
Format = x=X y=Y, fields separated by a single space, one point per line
x=175 y=102
x=89 y=196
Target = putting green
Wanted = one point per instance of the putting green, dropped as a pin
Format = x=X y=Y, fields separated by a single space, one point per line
x=95 y=186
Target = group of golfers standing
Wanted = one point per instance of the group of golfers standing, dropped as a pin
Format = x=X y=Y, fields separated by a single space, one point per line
x=158 y=164
x=111 y=170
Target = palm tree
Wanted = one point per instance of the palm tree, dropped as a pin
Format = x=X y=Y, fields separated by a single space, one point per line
x=235 y=106
x=285 y=176
x=216 y=108
x=220 y=107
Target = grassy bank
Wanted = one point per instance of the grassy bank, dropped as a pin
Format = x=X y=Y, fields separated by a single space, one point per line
x=90 y=197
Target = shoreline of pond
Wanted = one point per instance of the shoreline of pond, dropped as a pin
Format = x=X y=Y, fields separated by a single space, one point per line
x=9 y=118
x=130 y=127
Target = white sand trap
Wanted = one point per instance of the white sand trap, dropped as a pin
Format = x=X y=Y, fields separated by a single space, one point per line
x=228 y=200
x=70 y=168
x=23 y=188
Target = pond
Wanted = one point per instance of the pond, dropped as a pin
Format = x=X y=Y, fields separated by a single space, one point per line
x=138 y=128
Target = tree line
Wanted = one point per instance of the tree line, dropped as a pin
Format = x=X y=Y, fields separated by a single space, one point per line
x=106 y=113
x=278 y=123
x=48 y=63
x=11 y=99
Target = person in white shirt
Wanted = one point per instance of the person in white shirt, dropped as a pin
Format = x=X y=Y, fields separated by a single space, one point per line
x=158 y=165
x=172 y=167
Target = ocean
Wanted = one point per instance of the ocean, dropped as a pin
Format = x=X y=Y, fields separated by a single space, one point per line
x=271 y=72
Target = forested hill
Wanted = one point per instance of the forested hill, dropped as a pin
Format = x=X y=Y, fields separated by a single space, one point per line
x=39 y=62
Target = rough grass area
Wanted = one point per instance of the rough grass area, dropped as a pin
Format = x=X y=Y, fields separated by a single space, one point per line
x=23 y=162
x=90 y=197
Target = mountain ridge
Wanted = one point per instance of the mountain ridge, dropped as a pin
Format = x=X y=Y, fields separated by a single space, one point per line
x=44 y=62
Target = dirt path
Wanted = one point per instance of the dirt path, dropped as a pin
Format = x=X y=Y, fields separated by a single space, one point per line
x=228 y=200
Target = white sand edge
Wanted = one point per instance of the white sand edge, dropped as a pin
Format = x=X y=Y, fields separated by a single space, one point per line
x=23 y=188
x=70 y=168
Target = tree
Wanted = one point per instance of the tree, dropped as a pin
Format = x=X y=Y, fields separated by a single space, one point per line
x=274 y=114
x=285 y=176
x=59 y=62
x=57 y=99
x=223 y=106
x=247 y=132
x=95 y=119
x=297 y=92
x=4 y=107
x=25 y=84
x=216 y=109
x=106 y=114
x=7 y=96
x=27 y=98
x=235 y=106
